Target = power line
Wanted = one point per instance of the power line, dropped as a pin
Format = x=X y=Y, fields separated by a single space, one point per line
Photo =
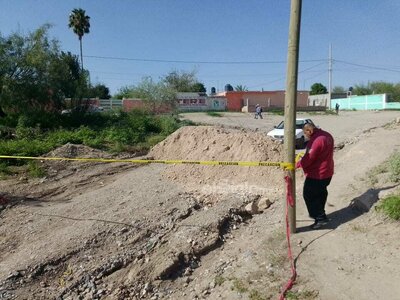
x=284 y=77
x=374 y=65
x=367 y=66
x=316 y=75
x=196 y=62
x=355 y=70
x=317 y=65
x=243 y=75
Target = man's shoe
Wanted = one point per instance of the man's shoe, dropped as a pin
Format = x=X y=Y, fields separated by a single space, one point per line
x=319 y=223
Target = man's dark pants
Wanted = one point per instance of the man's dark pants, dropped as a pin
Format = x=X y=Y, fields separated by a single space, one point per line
x=315 y=194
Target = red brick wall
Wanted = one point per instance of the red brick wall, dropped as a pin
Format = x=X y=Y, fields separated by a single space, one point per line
x=129 y=104
x=302 y=98
x=236 y=100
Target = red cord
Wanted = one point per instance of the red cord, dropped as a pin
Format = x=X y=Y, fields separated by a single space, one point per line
x=289 y=201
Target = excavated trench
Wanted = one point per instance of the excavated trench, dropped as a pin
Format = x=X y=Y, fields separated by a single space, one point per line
x=187 y=262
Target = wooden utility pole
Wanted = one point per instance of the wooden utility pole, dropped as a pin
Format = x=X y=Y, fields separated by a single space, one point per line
x=291 y=100
x=330 y=76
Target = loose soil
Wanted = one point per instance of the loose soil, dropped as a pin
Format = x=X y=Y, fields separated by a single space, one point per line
x=121 y=231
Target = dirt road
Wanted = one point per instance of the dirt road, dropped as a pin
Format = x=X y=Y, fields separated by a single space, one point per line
x=123 y=232
x=348 y=125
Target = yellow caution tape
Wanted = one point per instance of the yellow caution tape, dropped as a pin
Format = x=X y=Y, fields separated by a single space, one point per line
x=299 y=156
x=68 y=272
x=284 y=165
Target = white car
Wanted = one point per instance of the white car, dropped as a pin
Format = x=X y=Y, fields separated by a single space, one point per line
x=89 y=109
x=278 y=131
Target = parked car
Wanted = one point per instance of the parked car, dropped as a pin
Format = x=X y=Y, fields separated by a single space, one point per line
x=90 y=109
x=278 y=132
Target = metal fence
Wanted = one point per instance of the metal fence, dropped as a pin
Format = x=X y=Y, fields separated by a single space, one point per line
x=367 y=102
x=109 y=104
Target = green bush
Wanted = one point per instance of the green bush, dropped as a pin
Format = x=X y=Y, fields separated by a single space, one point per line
x=117 y=148
x=168 y=124
x=43 y=120
x=115 y=131
x=83 y=135
x=97 y=143
x=124 y=135
x=10 y=120
x=390 y=206
x=25 y=147
x=4 y=169
x=35 y=170
x=24 y=130
x=154 y=139
x=394 y=167
x=60 y=137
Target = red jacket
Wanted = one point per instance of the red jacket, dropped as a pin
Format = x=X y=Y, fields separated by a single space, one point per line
x=317 y=163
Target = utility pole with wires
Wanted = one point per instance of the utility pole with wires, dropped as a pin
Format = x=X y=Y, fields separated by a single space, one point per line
x=330 y=75
x=291 y=102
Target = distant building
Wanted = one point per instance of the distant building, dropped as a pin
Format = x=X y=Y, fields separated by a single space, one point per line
x=365 y=102
x=246 y=100
x=184 y=102
x=348 y=101
x=324 y=100
x=200 y=102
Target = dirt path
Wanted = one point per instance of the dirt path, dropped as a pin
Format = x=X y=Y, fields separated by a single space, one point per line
x=122 y=232
x=357 y=257
x=347 y=126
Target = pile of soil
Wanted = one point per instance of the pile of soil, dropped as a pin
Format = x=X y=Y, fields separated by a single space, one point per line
x=63 y=179
x=72 y=151
x=62 y=168
x=206 y=143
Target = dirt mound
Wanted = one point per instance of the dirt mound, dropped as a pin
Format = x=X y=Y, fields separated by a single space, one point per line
x=73 y=151
x=63 y=168
x=221 y=144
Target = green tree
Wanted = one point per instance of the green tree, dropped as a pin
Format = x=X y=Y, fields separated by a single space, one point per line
x=99 y=91
x=125 y=92
x=199 y=87
x=339 y=90
x=154 y=94
x=162 y=93
x=362 y=89
x=80 y=24
x=180 y=81
x=379 y=87
x=34 y=74
x=241 y=88
x=318 y=88
x=65 y=75
x=183 y=82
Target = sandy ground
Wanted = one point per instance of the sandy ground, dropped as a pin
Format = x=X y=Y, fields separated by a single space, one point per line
x=117 y=231
x=345 y=127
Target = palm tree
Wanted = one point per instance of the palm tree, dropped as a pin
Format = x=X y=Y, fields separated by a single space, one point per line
x=80 y=24
x=241 y=88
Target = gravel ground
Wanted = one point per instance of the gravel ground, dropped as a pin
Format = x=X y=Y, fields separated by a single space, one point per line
x=116 y=231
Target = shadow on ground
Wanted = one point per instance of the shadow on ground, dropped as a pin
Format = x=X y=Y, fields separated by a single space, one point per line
x=358 y=206
x=8 y=201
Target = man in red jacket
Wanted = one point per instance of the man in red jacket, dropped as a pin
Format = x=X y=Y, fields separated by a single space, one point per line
x=317 y=164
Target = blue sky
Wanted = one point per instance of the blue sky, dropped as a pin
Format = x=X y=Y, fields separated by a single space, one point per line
x=218 y=38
